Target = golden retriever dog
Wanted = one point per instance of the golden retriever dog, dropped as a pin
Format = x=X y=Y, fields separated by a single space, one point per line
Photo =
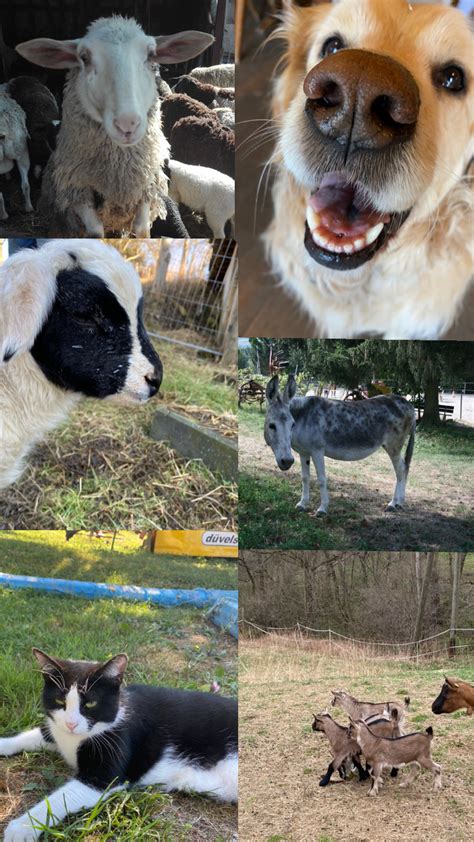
x=373 y=208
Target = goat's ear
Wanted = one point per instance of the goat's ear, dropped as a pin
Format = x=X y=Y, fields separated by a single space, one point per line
x=27 y=291
x=450 y=682
x=290 y=388
x=272 y=389
x=59 y=55
x=172 y=49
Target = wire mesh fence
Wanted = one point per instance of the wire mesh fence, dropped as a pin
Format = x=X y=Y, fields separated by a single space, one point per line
x=194 y=292
x=441 y=644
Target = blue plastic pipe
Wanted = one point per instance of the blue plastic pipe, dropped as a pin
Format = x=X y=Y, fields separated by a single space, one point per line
x=222 y=604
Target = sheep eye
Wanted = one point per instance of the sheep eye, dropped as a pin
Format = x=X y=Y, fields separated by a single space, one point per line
x=332 y=45
x=91 y=704
x=85 y=57
x=451 y=78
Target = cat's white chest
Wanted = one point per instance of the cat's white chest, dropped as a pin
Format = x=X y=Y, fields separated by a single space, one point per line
x=68 y=744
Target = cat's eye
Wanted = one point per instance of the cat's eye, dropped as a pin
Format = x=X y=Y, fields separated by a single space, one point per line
x=60 y=702
x=90 y=704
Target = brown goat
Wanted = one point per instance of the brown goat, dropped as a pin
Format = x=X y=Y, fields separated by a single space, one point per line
x=413 y=749
x=361 y=710
x=342 y=746
x=454 y=695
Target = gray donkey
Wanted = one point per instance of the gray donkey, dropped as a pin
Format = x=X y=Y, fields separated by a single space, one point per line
x=346 y=430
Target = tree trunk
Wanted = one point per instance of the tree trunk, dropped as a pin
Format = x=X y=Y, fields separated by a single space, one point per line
x=418 y=577
x=431 y=412
x=423 y=596
x=457 y=562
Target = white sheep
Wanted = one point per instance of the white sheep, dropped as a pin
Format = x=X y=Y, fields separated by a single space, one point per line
x=206 y=190
x=70 y=326
x=13 y=147
x=106 y=173
x=220 y=75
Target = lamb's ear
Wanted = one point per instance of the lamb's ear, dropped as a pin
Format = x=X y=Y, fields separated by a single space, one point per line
x=47 y=52
x=272 y=389
x=47 y=664
x=172 y=49
x=114 y=667
x=27 y=291
x=290 y=388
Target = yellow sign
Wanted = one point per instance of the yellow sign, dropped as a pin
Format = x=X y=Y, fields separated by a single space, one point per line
x=196 y=542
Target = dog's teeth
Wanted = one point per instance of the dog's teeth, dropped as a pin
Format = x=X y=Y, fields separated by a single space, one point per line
x=359 y=244
x=374 y=232
x=348 y=248
x=312 y=218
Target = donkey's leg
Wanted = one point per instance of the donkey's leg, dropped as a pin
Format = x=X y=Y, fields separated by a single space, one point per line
x=399 y=467
x=305 y=476
x=318 y=459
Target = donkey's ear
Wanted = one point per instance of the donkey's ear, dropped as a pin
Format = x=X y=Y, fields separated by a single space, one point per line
x=27 y=291
x=272 y=390
x=290 y=389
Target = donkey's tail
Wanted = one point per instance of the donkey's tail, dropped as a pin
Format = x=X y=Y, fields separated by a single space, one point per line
x=410 y=445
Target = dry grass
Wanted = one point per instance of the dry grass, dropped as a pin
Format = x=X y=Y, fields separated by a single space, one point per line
x=281 y=760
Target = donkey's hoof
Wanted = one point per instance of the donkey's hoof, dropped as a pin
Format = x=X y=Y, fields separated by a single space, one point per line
x=391 y=508
x=301 y=507
x=321 y=513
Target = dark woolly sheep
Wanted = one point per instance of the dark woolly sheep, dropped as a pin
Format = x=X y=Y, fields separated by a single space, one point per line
x=173 y=226
x=205 y=143
x=177 y=106
x=41 y=112
x=197 y=90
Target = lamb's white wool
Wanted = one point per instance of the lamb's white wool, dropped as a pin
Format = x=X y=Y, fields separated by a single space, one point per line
x=13 y=146
x=206 y=190
x=110 y=142
x=220 y=75
x=174 y=772
x=31 y=403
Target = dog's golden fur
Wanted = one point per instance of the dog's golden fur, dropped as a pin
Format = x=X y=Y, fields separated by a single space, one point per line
x=414 y=286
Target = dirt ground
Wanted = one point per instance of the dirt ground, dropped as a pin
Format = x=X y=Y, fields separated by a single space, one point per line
x=437 y=513
x=282 y=759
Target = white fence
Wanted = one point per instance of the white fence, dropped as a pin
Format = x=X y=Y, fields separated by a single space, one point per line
x=413 y=650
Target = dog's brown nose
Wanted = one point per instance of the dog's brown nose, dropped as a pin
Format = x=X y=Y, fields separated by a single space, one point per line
x=362 y=99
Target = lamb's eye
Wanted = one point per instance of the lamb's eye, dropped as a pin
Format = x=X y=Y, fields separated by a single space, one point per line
x=332 y=45
x=85 y=57
x=91 y=704
x=451 y=78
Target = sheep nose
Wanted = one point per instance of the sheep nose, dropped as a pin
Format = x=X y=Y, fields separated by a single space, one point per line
x=127 y=123
x=362 y=100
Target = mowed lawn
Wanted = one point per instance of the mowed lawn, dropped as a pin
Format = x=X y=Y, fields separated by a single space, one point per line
x=281 y=761
x=87 y=558
x=439 y=501
x=173 y=647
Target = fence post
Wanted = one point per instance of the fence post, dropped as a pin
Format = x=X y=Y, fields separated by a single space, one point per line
x=163 y=263
x=417 y=653
x=330 y=641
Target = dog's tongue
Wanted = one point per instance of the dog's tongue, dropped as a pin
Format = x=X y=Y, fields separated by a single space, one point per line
x=341 y=209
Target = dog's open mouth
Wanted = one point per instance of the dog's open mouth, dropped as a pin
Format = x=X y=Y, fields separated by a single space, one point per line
x=343 y=230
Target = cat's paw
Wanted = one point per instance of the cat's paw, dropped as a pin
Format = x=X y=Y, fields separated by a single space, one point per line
x=20 y=830
x=7 y=747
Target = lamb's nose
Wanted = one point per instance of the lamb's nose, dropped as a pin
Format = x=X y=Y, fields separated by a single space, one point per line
x=127 y=123
x=362 y=99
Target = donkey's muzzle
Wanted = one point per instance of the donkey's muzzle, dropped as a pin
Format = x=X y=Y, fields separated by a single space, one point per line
x=362 y=100
x=285 y=464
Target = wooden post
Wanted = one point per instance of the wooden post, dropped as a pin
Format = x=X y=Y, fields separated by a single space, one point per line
x=454 y=604
x=162 y=266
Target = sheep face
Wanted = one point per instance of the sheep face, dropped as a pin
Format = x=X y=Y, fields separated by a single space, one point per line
x=114 y=70
x=91 y=339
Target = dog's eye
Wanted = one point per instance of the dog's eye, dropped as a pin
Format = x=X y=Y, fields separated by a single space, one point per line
x=332 y=45
x=451 y=78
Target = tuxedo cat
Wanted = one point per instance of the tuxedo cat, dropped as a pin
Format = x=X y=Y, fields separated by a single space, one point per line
x=113 y=735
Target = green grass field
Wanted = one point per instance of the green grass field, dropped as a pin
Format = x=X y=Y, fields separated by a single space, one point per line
x=46 y=553
x=282 y=682
x=102 y=468
x=174 y=647
x=438 y=512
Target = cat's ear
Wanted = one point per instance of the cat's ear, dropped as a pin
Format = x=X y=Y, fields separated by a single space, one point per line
x=114 y=667
x=47 y=664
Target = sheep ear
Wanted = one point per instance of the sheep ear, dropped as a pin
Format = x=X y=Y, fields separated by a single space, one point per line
x=47 y=52
x=172 y=49
x=27 y=291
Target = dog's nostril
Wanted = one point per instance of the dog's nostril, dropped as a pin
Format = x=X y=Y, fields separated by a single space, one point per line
x=394 y=112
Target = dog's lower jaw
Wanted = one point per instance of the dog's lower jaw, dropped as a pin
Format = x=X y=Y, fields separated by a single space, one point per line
x=408 y=291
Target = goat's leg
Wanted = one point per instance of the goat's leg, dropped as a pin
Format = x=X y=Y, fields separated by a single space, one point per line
x=318 y=459
x=415 y=768
x=399 y=467
x=141 y=223
x=363 y=773
x=433 y=767
x=327 y=777
x=376 y=775
x=3 y=210
x=88 y=216
x=305 y=478
x=23 y=164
